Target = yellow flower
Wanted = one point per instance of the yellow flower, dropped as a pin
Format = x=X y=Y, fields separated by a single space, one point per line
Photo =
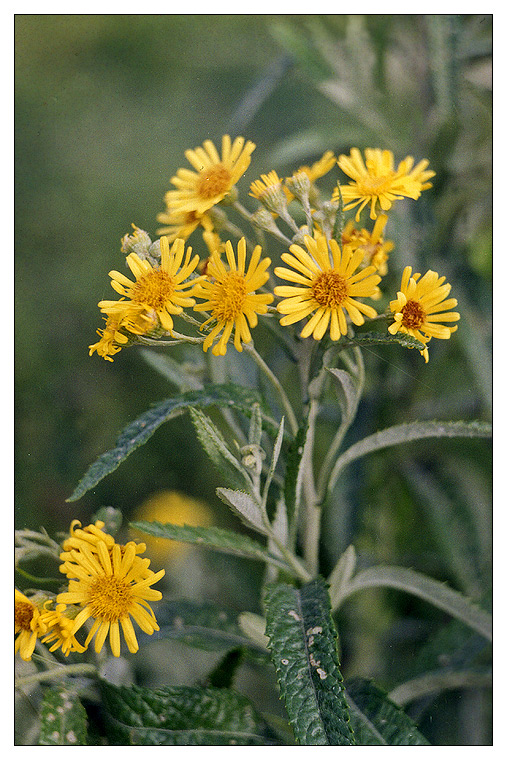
x=175 y=508
x=60 y=626
x=320 y=167
x=326 y=287
x=231 y=298
x=162 y=289
x=268 y=189
x=420 y=306
x=181 y=224
x=112 y=339
x=214 y=175
x=28 y=624
x=111 y=584
x=375 y=249
x=376 y=179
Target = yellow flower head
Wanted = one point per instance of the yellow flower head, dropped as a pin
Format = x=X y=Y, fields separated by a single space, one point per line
x=181 y=224
x=111 y=584
x=377 y=180
x=375 y=249
x=28 y=624
x=214 y=175
x=320 y=167
x=326 y=287
x=421 y=304
x=230 y=296
x=163 y=289
x=113 y=337
x=269 y=191
x=60 y=626
x=175 y=508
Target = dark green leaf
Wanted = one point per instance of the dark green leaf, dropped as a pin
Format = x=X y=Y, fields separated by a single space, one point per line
x=303 y=644
x=378 y=721
x=219 y=539
x=139 y=431
x=63 y=718
x=181 y=716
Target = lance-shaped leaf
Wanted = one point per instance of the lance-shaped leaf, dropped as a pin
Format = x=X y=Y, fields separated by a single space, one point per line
x=419 y=584
x=293 y=481
x=404 y=433
x=217 y=450
x=382 y=339
x=219 y=539
x=181 y=716
x=376 y=720
x=244 y=507
x=348 y=392
x=303 y=645
x=62 y=718
x=139 y=431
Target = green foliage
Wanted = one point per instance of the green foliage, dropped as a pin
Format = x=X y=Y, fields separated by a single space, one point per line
x=139 y=431
x=303 y=645
x=376 y=720
x=63 y=718
x=181 y=715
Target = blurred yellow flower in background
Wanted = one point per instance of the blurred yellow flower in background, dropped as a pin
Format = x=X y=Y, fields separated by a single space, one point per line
x=174 y=507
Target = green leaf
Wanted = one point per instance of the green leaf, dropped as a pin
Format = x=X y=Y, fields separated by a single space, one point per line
x=376 y=720
x=139 y=431
x=302 y=641
x=435 y=592
x=244 y=507
x=181 y=716
x=218 y=452
x=63 y=718
x=348 y=398
x=431 y=684
x=219 y=539
x=382 y=339
x=181 y=376
x=404 y=433
x=205 y=626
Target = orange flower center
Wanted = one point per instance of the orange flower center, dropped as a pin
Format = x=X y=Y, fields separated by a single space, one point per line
x=229 y=297
x=330 y=290
x=413 y=315
x=214 y=181
x=109 y=598
x=23 y=614
x=153 y=289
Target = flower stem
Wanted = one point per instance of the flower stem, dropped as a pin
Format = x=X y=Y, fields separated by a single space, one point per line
x=249 y=348
x=79 y=669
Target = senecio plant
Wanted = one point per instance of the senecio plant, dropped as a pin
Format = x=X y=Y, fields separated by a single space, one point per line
x=321 y=306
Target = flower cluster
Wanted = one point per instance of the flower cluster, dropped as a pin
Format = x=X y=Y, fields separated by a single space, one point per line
x=330 y=268
x=107 y=583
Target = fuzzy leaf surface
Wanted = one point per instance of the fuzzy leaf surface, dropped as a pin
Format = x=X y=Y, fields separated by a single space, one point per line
x=63 y=719
x=406 y=432
x=141 y=430
x=378 y=721
x=181 y=716
x=302 y=642
x=220 y=539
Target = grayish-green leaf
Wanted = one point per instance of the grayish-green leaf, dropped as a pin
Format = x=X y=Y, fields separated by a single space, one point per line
x=421 y=585
x=277 y=447
x=219 y=539
x=382 y=339
x=303 y=645
x=341 y=575
x=348 y=396
x=405 y=433
x=244 y=507
x=138 y=432
x=431 y=684
x=217 y=450
x=255 y=430
x=293 y=482
x=63 y=719
x=181 y=716
x=182 y=376
x=376 y=720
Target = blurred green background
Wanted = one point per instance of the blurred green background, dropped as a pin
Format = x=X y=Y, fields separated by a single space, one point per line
x=105 y=107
